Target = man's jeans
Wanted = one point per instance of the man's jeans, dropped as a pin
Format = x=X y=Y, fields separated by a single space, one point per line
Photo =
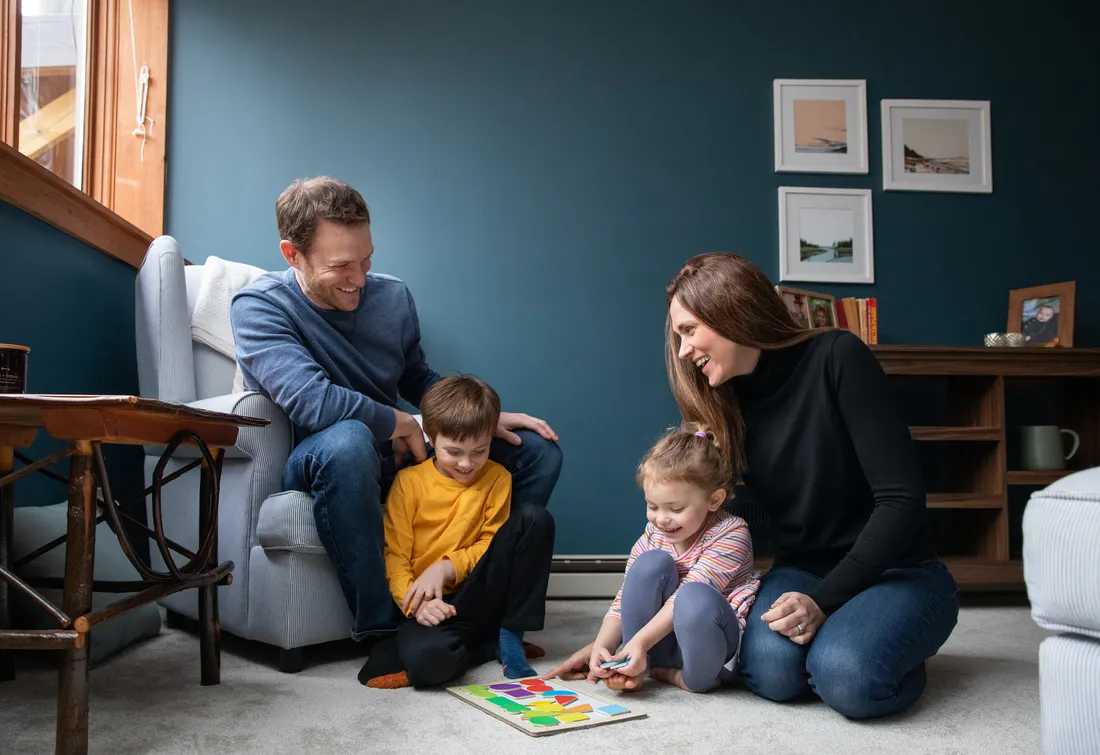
x=867 y=660
x=349 y=478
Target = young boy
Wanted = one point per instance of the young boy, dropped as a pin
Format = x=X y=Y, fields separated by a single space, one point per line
x=466 y=565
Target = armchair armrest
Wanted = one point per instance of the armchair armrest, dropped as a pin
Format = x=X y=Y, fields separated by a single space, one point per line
x=273 y=440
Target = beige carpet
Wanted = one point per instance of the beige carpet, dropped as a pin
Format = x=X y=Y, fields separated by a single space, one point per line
x=982 y=698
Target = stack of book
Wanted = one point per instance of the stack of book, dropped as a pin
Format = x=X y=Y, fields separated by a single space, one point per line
x=859 y=316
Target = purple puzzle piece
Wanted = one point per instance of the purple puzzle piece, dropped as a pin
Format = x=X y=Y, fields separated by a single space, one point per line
x=516 y=694
x=502 y=687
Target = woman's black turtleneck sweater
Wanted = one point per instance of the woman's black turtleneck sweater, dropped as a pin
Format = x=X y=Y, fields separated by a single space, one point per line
x=830 y=458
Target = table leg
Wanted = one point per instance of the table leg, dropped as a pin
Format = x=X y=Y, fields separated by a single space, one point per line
x=209 y=626
x=7 y=524
x=72 y=699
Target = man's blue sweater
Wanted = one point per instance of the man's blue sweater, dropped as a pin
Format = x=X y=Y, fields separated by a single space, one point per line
x=322 y=366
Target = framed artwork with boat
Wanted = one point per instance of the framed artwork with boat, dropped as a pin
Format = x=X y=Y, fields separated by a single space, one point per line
x=820 y=125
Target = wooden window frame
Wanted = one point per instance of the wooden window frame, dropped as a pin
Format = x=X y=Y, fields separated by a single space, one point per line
x=121 y=207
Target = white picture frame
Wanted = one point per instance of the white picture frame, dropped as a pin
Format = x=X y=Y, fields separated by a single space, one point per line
x=814 y=119
x=811 y=223
x=951 y=149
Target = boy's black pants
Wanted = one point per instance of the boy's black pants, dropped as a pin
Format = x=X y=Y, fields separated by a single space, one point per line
x=507 y=588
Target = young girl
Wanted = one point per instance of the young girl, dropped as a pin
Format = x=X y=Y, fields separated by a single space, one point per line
x=689 y=580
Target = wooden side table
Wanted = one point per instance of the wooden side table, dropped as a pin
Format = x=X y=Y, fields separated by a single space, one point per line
x=87 y=422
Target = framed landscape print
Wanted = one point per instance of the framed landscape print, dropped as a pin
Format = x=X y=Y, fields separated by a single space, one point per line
x=825 y=235
x=820 y=125
x=936 y=145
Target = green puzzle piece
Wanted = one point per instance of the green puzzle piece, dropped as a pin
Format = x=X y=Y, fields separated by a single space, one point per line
x=544 y=721
x=480 y=690
x=509 y=705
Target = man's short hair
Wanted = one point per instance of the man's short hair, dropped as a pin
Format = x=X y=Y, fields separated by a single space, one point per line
x=459 y=408
x=309 y=200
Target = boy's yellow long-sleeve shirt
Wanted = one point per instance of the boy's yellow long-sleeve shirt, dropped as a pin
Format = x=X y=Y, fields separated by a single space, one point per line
x=430 y=517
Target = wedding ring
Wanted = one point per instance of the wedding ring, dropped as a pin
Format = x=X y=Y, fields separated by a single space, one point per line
x=800 y=629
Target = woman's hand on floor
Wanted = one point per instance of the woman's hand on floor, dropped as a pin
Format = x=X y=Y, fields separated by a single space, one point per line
x=573 y=667
x=795 y=616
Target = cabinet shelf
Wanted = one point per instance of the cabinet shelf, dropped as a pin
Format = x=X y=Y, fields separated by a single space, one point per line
x=1037 y=476
x=954 y=432
x=964 y=501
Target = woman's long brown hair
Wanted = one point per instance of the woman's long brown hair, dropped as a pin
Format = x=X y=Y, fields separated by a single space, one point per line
x=732 y=297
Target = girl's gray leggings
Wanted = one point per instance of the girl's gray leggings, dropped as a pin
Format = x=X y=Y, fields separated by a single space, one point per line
x=706 y=634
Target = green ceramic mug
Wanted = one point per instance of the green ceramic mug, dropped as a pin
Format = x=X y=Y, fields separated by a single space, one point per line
x=1041 y=446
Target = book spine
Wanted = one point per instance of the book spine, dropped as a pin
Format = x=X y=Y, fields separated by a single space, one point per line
x=872 y=310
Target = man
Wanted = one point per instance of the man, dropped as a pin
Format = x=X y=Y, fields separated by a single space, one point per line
x=335 y=345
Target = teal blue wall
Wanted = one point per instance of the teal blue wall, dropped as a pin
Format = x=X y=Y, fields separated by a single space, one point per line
x=537 y=171
x=74 y=307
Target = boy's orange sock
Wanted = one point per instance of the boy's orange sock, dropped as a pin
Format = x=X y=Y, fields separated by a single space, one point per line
x=383 y=668
x=389 y=681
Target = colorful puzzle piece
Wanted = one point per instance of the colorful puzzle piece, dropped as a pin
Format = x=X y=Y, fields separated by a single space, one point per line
x=566 y=699
x=480 y=690
x=612 y=710
x=511 y=706
x=556 y=692
x=586 y=708
x=518 y=693
x=547 y=707
x=544 y=721
x=502 y=687
x=572 y=718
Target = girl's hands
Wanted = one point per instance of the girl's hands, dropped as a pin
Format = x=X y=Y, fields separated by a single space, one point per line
x=598 y=655
x=638 y=654
x=795 y=616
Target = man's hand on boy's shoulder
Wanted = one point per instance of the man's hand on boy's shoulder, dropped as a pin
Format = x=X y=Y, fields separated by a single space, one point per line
x=510 y=421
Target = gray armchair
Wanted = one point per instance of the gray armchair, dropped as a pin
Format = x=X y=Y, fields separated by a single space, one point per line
x=1061 y=529
x=284 y=592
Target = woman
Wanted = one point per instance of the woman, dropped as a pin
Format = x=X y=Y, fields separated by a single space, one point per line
x=856 y=601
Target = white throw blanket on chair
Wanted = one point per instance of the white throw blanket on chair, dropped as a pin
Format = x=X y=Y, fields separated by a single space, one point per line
x=210 y=322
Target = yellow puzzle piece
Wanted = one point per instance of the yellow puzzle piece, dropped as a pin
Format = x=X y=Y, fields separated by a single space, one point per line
x=569 y=718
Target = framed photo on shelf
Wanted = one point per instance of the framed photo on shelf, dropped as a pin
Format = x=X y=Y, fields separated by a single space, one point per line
x=825 y=235
x=820 y=125
x=937 y=145
x=809 y=309
x=1044 y=314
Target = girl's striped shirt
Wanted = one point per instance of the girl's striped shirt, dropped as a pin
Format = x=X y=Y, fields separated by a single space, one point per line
x=721 y=557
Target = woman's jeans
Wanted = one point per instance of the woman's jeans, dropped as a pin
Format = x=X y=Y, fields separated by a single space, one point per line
x=868 y=658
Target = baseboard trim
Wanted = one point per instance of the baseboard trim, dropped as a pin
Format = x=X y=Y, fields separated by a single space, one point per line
x=581 y=585
x=586 y=576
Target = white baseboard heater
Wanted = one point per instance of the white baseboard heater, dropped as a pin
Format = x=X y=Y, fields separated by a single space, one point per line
x=586 y=576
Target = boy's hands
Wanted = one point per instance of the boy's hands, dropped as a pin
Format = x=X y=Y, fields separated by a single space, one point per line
x=434 y=612
x=428 y=586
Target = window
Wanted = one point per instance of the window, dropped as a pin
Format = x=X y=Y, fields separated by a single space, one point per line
x=53 y=75
x=83 y=93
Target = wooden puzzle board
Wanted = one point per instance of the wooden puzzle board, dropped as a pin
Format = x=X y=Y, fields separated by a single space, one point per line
x=539 y=708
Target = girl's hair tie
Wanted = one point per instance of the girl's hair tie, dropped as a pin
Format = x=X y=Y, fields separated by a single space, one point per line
x=700 y=433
